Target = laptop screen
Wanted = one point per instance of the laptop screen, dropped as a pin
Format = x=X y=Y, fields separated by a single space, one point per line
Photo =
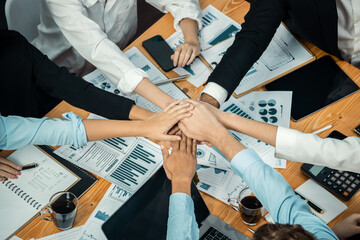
x=145 y=215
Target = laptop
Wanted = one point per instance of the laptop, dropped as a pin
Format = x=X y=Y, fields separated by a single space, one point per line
x=145 y=214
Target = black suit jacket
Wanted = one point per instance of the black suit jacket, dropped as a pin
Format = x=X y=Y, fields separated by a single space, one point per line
x=31 y=84
x=314 y=20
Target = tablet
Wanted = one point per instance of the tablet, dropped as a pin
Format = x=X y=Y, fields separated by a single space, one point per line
x=314 y=86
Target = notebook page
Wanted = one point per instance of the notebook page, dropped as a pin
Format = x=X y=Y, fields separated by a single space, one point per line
x=22 y=198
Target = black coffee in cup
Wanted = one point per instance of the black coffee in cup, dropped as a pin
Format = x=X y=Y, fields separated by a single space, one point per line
x=250 y=210
x=63 y=213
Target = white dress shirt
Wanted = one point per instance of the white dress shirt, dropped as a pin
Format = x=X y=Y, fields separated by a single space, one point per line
x=348 y=42
x=309 y=148
x=74 y=30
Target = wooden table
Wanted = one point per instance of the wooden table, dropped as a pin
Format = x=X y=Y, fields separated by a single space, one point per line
x=343 y=115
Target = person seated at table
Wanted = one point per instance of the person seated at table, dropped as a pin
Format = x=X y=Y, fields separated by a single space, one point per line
x=330 y=25
x=31 y=85
x=294 y=145
x=78 y=33
x=16 y=132
x=293 y=217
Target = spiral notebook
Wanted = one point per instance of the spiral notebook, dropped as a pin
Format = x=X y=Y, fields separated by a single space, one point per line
x=23 y=198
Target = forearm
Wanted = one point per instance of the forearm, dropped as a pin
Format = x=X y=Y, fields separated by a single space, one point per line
x=262 y=131
x=225 y=142
x=152 y=93
x=98 y=129
x=139 y=113
x=189 y=28
x=182 y=186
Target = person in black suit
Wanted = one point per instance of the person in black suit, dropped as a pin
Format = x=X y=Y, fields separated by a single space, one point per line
x=31 y=85
x=329 y=24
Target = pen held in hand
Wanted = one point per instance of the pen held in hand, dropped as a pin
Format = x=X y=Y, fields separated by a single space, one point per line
x=29 y=166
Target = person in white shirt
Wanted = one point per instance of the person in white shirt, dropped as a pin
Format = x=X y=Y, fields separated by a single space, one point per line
x=74 y=33
x=291 y=144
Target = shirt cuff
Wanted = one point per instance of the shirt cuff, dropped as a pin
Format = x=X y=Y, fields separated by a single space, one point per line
x=286 y=143
x=194 y=14
x=130 y=80
x=181 y=202
x=78 y=129
x=216 y=91
x=243 y=160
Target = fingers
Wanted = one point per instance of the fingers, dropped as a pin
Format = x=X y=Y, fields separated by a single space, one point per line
x=173 y=103
x=176 y=55
x=170 y=138
x=2 y=179
x=165 y=153
x=185 y=59
x=176 y=144
x=8 y=174
x=174 y=130
x=185 y=106
x=183 y=142
x=193 y=56
x=10 y=163
x=194 y=146
x=189 y=143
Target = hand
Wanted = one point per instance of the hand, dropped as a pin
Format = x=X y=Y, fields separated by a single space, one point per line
x=203 y=124
x=185 y=54
x=157 y=126
x=348 y=227
x=180 y=166
x=8 y=169
x=209 y=99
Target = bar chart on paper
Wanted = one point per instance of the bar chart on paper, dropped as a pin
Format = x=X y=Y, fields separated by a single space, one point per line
x=137 y=166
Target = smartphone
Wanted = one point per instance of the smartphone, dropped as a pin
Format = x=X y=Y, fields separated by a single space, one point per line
x=160 y=51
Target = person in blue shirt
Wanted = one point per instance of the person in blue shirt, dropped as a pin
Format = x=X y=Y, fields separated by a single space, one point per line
x=293 y=217
x=16 y=132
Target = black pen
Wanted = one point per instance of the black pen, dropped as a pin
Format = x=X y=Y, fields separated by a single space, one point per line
x=312 y=205
x=29 y=166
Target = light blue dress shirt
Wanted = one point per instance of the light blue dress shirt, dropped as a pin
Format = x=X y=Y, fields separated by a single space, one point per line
x=16 y=132
x=268 y=186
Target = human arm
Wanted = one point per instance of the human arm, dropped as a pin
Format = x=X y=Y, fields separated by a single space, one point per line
x=294 y=145
x=59 y=83
x=284 y=206
x=180 y=168
x=348 y=227
x=93 y=44
x=260 y=26
x=187 y=18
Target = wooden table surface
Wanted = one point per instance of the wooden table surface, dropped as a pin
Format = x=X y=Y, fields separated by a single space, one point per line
x=343 y=115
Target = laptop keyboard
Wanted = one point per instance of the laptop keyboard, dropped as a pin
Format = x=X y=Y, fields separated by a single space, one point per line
x=213 y=234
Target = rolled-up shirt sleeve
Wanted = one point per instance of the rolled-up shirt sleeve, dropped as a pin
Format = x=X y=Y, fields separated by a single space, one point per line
x=182 y=223
x=92 y=43
x=294 y=145
x=180 y=9
x=17 y=132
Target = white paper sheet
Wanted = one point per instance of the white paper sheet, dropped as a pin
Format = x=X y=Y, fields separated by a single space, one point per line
x=265 y=151
x=219 y=183
x=273 y=107
x=113 y=199
x=207 y=156
x=71 y=234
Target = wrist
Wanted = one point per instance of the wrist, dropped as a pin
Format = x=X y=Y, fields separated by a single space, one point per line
x=209 y=99
x=182 y=185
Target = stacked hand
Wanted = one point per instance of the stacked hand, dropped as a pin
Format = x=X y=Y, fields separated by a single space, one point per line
x=180 y=166
x=8 y=169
